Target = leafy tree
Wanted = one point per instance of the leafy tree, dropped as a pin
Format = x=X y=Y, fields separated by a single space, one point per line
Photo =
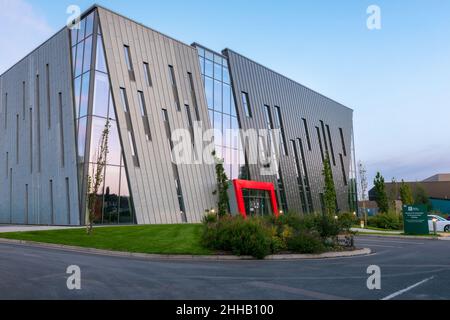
x=95 y=180
x=380 y=191
x=421 y=197
x=329 y=194
x=406 y=194
x=222 y=187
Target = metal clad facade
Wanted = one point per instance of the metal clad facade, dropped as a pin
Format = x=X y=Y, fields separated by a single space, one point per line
x=153 y=185
x=38 y=175
x=266 y=87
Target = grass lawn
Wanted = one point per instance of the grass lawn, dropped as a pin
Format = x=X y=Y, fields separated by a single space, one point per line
x=156 y=239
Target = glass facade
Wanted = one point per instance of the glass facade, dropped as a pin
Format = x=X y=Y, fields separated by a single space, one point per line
x=257 y=202
x=94 y=109
x=222 y=112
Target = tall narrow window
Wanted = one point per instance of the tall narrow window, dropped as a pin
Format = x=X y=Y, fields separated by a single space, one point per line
x=308 y=139
x=10 y=195
x=344 y=149
x=344 y=174
x=144 y=115
x=6 y=111
x=281 y=127
x=27 y=205
x=47 y=79
x=147 y=75
x=129 y=62
x=17 y=139
x=194 y=96
x=324 y=137
x=178 y=187
x=320 y=144
x=299 y=177
x=246 y=104
x=173 y=81
x=31 y=140
x=61 y=129
x=190 y=123
x=23 y=99
x=68 y=201
x=52 y=211
x=331 y=145
x=38 y=123
x=123 y=97
x=306 y=182
x=7 y=165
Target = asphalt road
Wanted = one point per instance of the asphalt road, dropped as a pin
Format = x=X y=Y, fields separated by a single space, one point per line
x=37 y=273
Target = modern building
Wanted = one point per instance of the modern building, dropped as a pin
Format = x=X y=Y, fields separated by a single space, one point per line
x=436 y=188
x=114 y=73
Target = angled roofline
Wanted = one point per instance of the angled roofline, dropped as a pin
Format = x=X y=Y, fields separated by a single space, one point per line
x=226 y=50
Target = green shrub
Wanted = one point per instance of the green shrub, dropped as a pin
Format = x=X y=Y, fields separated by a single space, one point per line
x=347 y=220
x=327 y=226
x=210 y=218
x=306 y=242
x=390 y=220
x=239 y=236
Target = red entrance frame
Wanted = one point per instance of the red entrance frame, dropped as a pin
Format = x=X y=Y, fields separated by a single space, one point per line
x=240 y=185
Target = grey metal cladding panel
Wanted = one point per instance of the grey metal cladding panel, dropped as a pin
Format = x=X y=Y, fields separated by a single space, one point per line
x=296 y=102
x=153 y=182
x=25 y=170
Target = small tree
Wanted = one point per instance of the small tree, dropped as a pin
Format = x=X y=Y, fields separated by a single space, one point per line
x=363 y=181
x=421 y=197
x=329 y=193
x=380 y=190
x=406 y=194
x=222 y=187
x=95 y=180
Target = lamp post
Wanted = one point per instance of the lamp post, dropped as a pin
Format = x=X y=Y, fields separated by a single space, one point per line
x=434 y=226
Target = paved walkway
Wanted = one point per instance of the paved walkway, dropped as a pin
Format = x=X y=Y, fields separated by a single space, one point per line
x=20 y=228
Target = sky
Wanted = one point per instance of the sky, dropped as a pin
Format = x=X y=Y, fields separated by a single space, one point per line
x=396 y=79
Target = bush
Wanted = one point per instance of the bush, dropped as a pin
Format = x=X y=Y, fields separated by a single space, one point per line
x=327 y=226
x=261 y=236
x=239 y=236
x=390 y=220
x=306 y=242
x=347 y=220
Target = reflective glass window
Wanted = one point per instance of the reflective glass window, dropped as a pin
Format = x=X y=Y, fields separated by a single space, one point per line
x=202 y=65
x=217 y=71
x=201 y=52
x=89 y=25
x=114 y=146
x=111 y=195
x=209 y=89
x=101 y=95
x=125 y=214
x=79 y=59
x=74 y=35
x=76 y=89
x=82 y=137
x=74 y=59
x=147 y=75
x=226 y=99
x=209 y=68
x=100 y=63
x=111 y=111
x=217 y=96
x=209 y=55
x=226 y=75
x=84 y=98
x=81 y=30
x=87 y=54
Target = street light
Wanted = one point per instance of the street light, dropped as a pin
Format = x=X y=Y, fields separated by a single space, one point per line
x=434 y=226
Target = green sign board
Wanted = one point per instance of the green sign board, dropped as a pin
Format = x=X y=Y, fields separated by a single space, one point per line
x=415 y=219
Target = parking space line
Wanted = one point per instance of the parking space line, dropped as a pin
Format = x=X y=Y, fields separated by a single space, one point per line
x=400 y=292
